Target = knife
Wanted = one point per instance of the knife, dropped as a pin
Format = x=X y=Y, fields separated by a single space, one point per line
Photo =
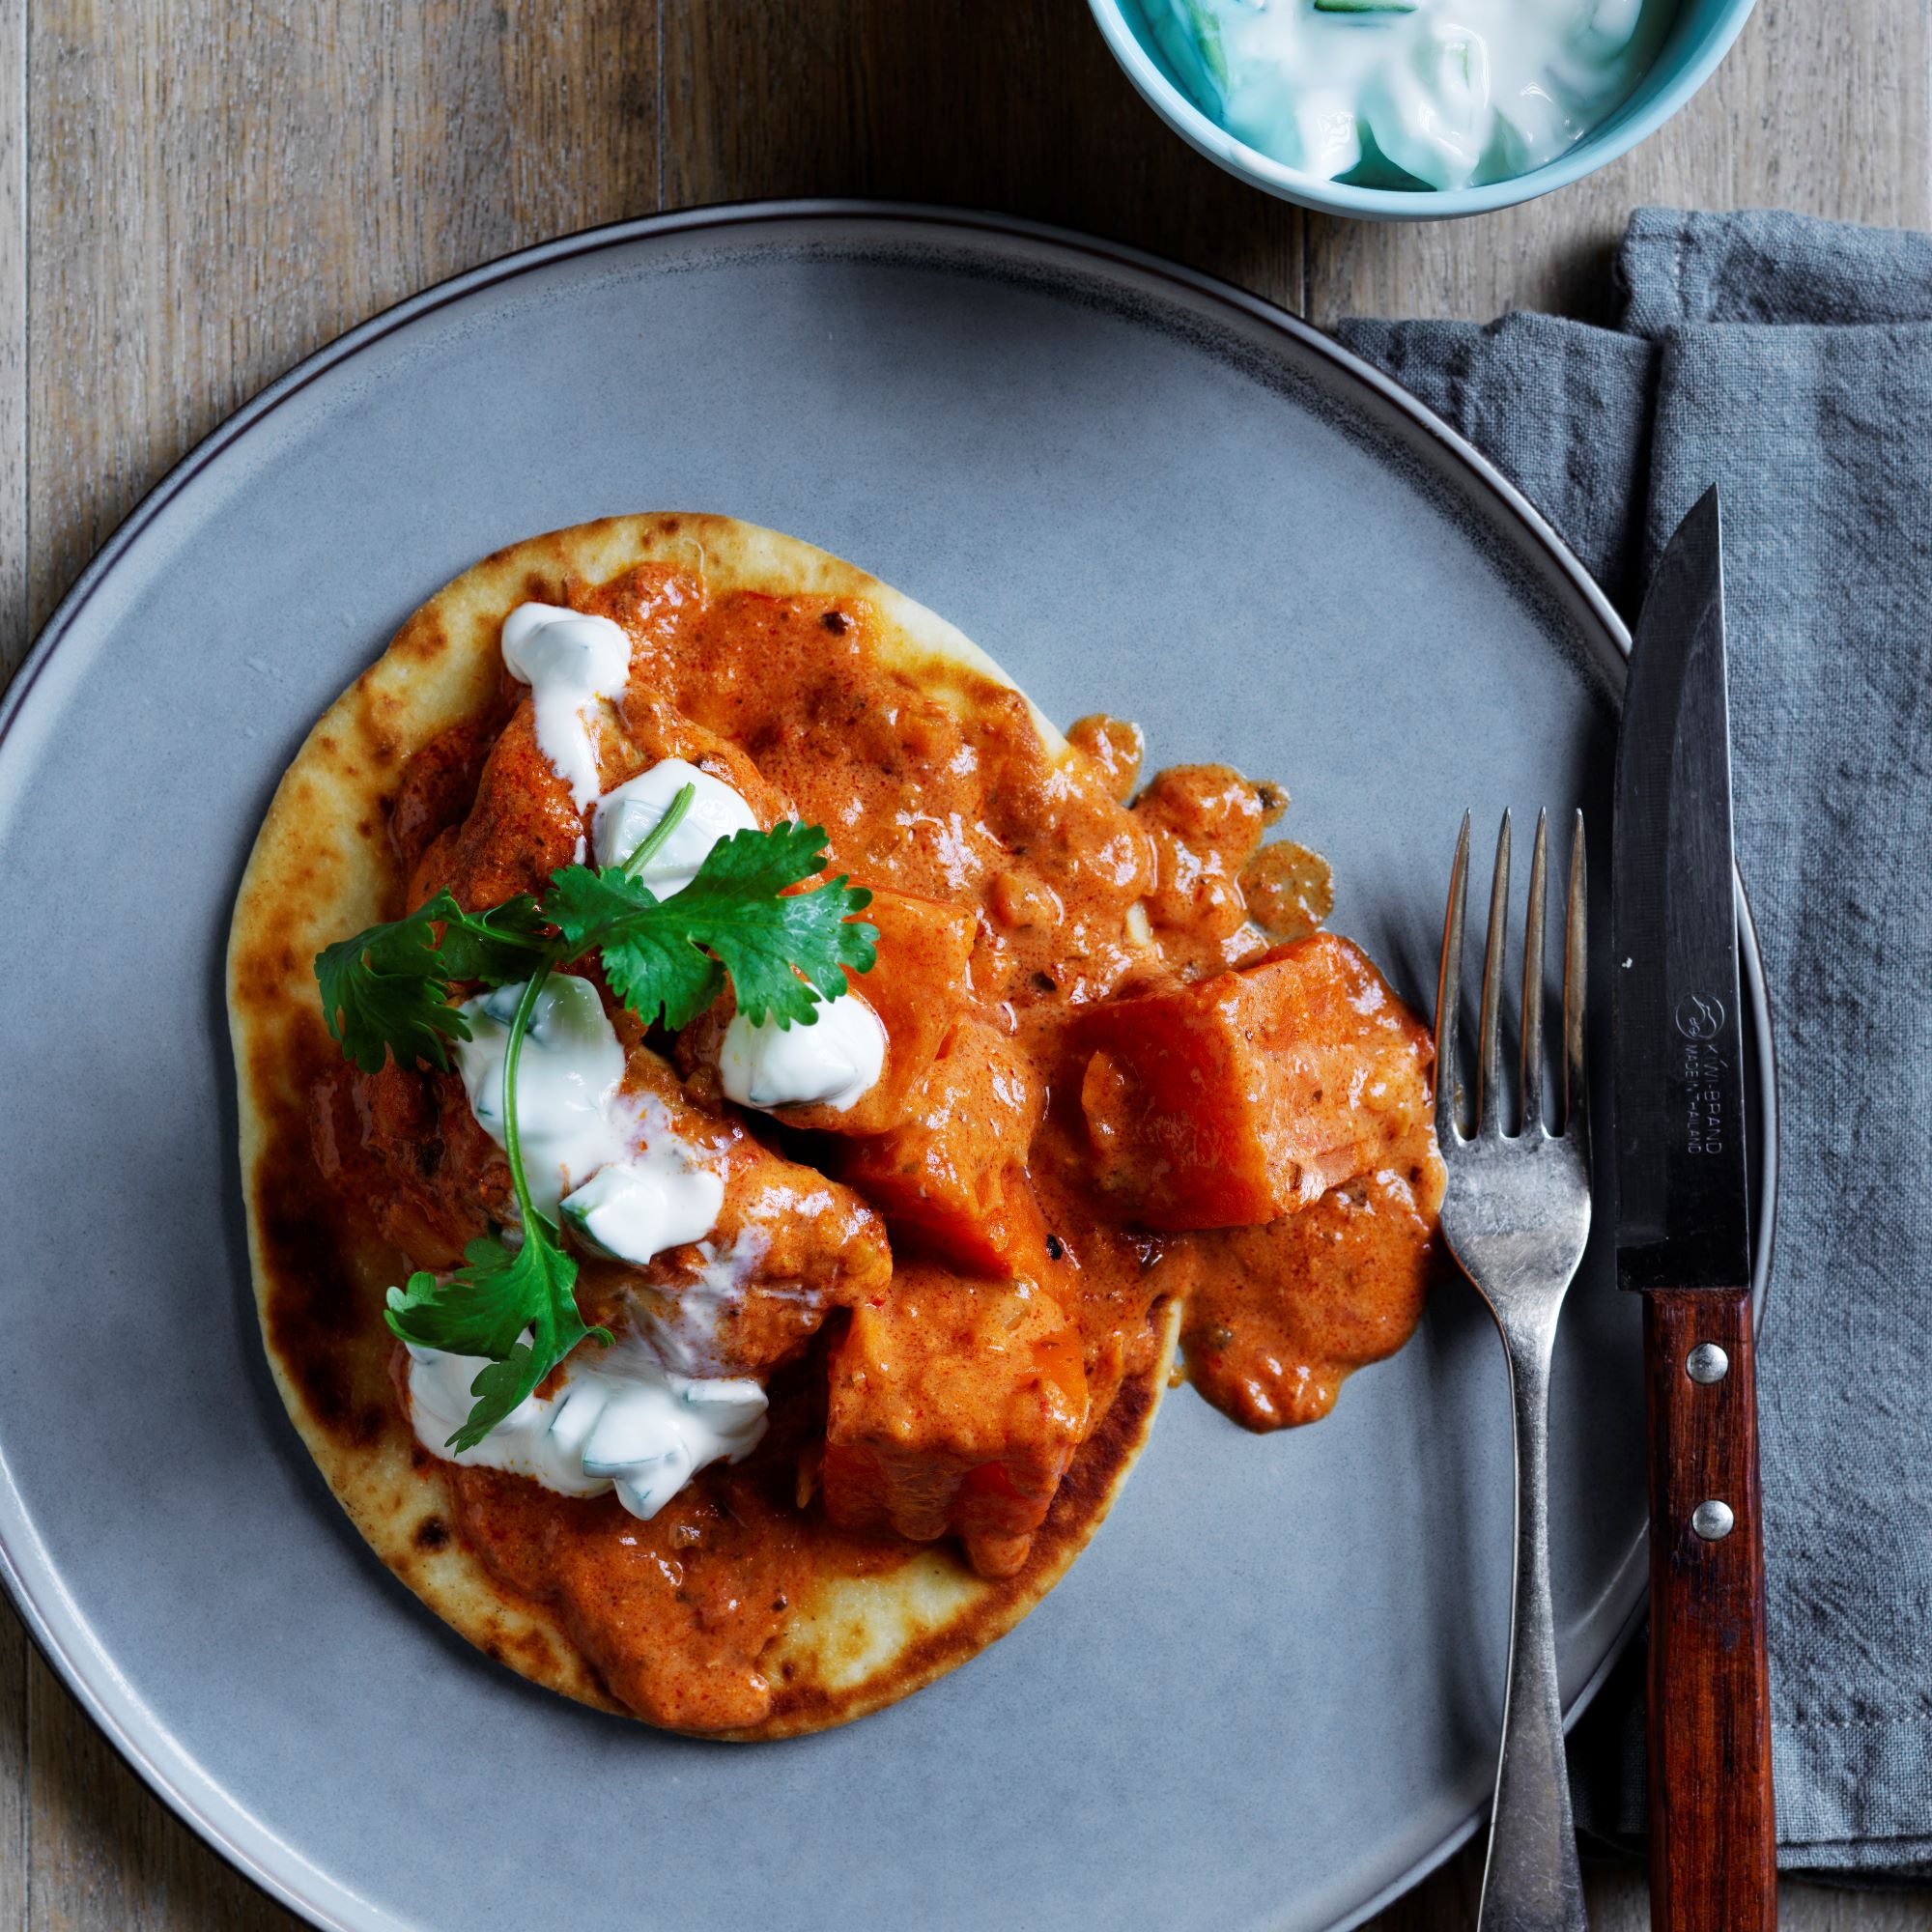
x=1684 y=1243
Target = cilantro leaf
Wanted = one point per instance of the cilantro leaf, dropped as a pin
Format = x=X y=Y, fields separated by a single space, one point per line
x=494 y=946
x=487 y=1307
x=499 y=1387
x=659 y=971
x=784 y=951
x=388 y=989
x=482 y=1309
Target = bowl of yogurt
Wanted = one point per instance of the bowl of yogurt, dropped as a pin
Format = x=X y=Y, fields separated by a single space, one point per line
x=1416 y=109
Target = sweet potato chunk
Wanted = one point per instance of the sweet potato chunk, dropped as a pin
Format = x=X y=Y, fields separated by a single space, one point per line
x=953 y=1405
x=919 y=987
x=1247 y=1095
x=953 y=1176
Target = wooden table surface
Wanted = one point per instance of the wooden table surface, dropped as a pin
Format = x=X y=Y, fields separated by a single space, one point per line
x=196 y=193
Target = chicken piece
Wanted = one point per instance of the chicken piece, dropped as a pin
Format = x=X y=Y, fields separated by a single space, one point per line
x=953 y=1405
x=1247 y=1095
x=405 y=1146
x=438 y=790
x=786 y=1247
x=787 y=1244
x=522 y=825
x=952 y=1177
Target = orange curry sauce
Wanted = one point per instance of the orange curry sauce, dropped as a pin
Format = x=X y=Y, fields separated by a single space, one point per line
x=1123 y=1067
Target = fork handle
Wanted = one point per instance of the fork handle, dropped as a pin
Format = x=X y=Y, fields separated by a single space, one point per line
x=1530 y=1879
x=1713 y=1827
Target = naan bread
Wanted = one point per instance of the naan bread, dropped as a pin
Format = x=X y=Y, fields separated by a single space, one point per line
x=322 y=868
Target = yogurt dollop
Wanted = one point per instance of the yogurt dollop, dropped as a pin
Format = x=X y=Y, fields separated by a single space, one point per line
x=835 y=1062
x=622 y=1421
x=630 y=812
x=571 y=662
x=567 y=1079
x=1449 y=92
x=660 y=1197
x=613 y=1166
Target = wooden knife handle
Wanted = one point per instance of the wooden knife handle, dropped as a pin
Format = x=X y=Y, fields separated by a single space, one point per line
x=1713 y=1828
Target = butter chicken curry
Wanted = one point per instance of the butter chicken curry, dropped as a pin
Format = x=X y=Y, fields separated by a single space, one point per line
x=839 y=1293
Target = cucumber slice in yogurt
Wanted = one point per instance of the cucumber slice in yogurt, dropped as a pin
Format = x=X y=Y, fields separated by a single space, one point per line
x=1208 y=39
x=1448 y=92
x=634 y=1210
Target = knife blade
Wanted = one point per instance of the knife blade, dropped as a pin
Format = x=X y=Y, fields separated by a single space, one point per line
x=1683 y=1204
x=1683 y=1225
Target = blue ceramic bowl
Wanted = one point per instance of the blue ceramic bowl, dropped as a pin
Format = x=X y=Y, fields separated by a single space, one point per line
x=1697 y=40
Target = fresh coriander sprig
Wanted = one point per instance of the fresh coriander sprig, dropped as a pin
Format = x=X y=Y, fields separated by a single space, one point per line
x=784 y=951
x=386 y=991
x=500 y=1293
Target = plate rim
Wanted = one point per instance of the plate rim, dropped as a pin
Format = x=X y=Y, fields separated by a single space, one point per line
x=124 y=1727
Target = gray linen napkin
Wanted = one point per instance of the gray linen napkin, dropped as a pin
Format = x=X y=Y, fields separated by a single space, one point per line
x=1790 y=360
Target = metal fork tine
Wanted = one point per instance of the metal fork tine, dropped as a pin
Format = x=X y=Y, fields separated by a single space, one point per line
x=1490 y=1052
x=1534 y=936
x=1575 y=972
x=1449 y=992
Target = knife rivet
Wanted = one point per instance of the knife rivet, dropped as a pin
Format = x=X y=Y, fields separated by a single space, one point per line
x=1707 y=1363
x=1713 y=1520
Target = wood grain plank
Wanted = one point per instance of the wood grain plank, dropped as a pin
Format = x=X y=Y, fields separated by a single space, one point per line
x=221 y=190
x=1012 y=104
x=218 y=190
x=13 y=1834
x=105 y=1855
x=12 y=646
x=1823 y=110
x=13 y=346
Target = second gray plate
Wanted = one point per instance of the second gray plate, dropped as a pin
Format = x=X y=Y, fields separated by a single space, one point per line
x=1269 y=1694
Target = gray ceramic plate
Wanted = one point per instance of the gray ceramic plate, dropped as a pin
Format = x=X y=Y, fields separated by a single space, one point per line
x=1268 y=1695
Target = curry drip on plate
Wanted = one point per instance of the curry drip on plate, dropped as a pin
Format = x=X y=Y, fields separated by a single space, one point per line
x=1123 y=1064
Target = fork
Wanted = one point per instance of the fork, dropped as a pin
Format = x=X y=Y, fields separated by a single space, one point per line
x=1516 y=1215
